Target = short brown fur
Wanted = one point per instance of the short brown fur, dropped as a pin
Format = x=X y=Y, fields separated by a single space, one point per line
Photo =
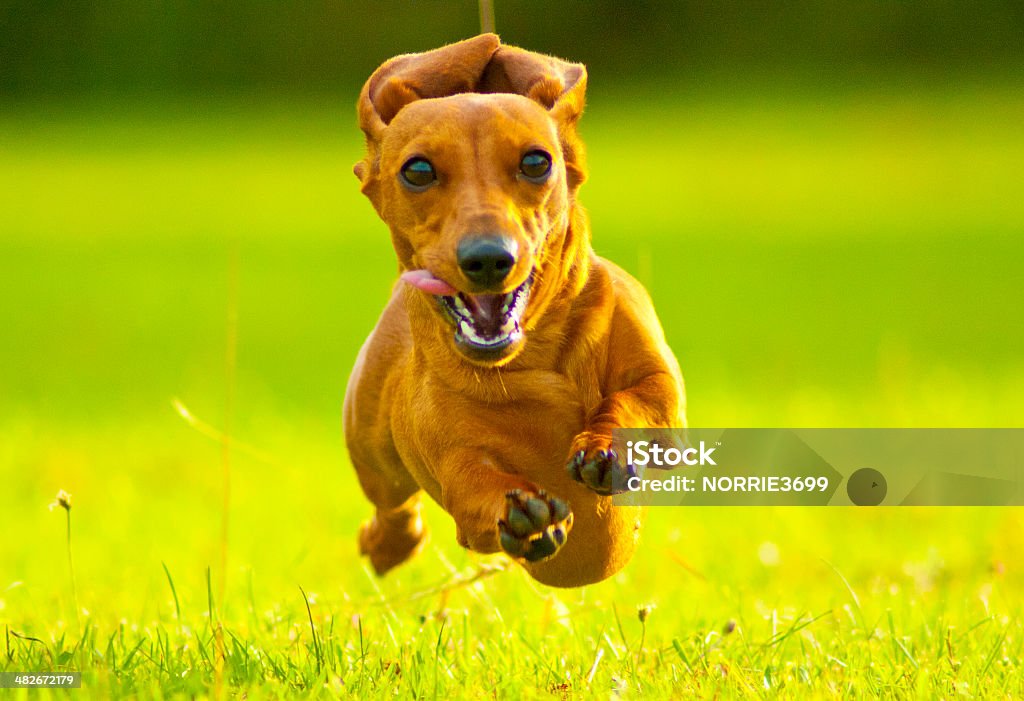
x=420 y=415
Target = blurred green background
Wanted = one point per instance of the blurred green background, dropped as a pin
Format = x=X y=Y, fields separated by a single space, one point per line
x=824 y=199
x=328 y=46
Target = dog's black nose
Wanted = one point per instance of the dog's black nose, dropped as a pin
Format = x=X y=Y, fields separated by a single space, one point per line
x=486 y=261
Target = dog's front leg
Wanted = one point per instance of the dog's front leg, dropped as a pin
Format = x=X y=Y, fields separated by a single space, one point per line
x=497 y=510
x=653 y=402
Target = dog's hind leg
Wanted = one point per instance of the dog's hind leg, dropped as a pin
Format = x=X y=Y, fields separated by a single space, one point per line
x=396 y=531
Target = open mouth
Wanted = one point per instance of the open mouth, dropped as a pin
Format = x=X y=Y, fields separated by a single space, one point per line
x=488 y=323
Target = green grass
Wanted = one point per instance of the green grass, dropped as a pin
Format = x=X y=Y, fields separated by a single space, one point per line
x=816 y=259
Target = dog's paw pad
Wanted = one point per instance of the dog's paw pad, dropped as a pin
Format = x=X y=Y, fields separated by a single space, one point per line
x=601 y=471
x=535 y=525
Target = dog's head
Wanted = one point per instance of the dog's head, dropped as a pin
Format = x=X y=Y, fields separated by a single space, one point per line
x=473 y=161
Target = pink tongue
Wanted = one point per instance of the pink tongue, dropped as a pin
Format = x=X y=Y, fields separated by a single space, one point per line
x=424 y=280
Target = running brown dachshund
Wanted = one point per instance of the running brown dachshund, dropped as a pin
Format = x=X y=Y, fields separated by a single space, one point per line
x=508 y=351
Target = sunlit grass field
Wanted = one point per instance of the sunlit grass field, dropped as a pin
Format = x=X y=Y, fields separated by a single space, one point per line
x=842 y=259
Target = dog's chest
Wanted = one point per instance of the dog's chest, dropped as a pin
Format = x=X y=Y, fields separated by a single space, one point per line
x=541 y=424
x=531 y=437
x=527 y=426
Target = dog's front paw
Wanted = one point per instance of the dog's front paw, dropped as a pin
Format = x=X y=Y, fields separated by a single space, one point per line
x=535 y=525
x=600 y=470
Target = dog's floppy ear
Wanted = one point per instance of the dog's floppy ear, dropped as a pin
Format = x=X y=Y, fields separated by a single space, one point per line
x=557 y=85
x=452 y=69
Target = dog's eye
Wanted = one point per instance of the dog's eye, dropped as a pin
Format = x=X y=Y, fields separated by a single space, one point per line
x=535 y=166
x=418 y=173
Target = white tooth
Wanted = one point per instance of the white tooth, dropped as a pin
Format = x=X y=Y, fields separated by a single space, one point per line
x=467 y=330
x=517 y=310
